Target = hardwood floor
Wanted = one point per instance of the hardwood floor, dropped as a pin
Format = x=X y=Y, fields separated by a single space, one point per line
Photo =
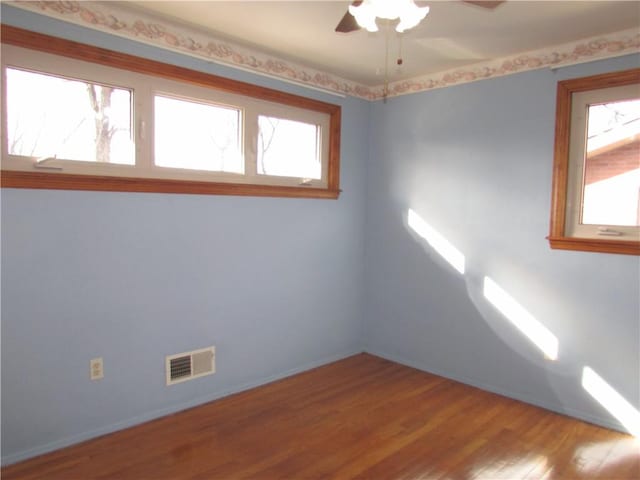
x=363 y=417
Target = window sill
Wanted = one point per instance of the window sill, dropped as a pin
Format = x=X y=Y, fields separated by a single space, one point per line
x=624 y=247
x=62 y=181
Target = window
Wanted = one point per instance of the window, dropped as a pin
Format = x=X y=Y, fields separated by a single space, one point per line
x=611 y=177
x=596 y=182
x=79 y=117
x=288 y=148
x=209 y=135
x=50 y=116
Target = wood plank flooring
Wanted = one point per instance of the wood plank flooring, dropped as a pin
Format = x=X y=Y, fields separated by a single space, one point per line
x=362 y=417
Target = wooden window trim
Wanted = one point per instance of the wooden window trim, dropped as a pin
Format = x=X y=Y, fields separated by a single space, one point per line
x=79 y=51
x=557 y=236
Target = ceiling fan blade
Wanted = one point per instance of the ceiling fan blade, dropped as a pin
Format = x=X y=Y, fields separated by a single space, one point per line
x=490 y=4
x=348 y=23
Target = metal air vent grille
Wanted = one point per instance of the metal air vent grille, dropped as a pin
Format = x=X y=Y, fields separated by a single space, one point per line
x=189 y=365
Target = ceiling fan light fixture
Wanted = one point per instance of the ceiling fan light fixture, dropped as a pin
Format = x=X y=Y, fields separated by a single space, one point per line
x=407 y=11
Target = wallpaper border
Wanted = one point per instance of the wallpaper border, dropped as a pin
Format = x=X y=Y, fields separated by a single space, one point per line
x=113 y=18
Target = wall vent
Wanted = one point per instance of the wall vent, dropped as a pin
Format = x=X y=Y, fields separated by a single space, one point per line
x=188 y=365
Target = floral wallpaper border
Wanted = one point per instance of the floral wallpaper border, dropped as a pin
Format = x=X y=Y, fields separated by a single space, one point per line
x=118 y=20
x=612 y=45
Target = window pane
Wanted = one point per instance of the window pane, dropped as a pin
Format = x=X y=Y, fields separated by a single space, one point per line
x=197 y=136
x=611 y=193
x=49 y=116
x=288 y=148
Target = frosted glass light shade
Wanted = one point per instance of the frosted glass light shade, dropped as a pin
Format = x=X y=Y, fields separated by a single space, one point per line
x=407 y=11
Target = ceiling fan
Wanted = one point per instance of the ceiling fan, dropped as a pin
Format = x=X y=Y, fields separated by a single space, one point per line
x=349 y=24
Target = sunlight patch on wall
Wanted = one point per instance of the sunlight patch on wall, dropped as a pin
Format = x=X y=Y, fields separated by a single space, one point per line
x=440 y=244
x=535 y=331
x=611 y=400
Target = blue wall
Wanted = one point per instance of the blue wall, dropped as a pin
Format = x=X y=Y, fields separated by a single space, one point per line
x=475 y=162
x=280 y=285
x=275 y=284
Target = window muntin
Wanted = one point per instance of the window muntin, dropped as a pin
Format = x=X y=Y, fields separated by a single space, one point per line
x=49 y=116
x=146 y=78
x=209 y=135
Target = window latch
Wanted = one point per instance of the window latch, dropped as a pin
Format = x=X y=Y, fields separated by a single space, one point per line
x=609 y=232
x=41 y=163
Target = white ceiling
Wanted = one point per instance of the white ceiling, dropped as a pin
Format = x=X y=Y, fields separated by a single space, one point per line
x=453 y=35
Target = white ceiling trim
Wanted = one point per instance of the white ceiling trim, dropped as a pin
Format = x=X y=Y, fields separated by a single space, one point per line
x=117 y=20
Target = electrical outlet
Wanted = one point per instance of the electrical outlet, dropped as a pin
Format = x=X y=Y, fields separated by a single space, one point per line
x=96 y=369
